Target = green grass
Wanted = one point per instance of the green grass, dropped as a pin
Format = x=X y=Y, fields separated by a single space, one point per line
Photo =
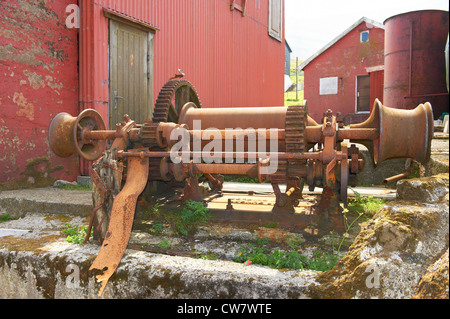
x=77 y=187
x=290 y=98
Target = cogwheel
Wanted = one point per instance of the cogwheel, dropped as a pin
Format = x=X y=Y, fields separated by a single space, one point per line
x=296 y=120
x=148 y=134
x=172 y=97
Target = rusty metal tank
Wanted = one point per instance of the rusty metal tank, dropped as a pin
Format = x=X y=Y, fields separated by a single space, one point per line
x=415 y=69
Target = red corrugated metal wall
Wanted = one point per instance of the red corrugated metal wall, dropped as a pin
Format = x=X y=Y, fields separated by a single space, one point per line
x=376 y=86
x=230 y=59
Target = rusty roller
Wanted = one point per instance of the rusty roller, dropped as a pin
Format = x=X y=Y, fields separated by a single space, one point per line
x=299 y=150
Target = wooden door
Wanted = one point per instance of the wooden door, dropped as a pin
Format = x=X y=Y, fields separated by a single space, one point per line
x=363 y=93
x=131 y=74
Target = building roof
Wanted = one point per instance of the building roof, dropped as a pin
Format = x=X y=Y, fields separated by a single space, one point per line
x=288 y=46
x=340 y=36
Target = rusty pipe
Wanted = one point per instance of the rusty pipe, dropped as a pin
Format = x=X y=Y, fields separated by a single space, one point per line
x=245 y=155
x=358 y=134
x=396 y=178
x=236 y=134
x=405 y=174
x=133 y=134
x=226 y=169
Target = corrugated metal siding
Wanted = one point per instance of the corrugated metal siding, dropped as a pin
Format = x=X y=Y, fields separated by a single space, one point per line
x=230 y=59
x=376 y=87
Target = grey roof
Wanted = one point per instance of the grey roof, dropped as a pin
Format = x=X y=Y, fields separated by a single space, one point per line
x=340 y=36
x=288 y=46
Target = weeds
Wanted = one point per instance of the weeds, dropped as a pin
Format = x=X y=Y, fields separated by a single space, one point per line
x=157 y=227
x=5 y=218
x=184 y=221
x=192 y=215
x=75 y=234
x=321 y=261
x=367 y=206
x=281 y=259
x=165 y=244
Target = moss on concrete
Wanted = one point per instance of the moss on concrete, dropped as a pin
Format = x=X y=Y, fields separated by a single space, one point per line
x=37 y=173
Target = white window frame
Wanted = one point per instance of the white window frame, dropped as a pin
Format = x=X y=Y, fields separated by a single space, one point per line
x=361 y=35
x=273 y=32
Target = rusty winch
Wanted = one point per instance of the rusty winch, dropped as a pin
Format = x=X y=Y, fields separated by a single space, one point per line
x=280 y=145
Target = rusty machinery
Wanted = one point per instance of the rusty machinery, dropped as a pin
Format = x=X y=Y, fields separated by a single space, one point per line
x=316 y=154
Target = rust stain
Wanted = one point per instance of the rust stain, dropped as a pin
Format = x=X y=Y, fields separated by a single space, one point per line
x=27 y=109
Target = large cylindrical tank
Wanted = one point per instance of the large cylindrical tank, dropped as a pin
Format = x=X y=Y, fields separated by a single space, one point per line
x=414 y=63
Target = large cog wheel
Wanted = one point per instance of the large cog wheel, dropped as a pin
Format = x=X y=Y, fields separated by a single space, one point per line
x=171 y=99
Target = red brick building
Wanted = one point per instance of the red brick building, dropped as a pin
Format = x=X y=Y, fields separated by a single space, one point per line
x=348 y=73
x=120 y=53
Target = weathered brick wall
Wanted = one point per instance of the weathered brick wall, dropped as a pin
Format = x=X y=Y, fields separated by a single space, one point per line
x=38 y=79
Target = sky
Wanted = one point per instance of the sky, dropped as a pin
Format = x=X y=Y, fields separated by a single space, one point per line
x=311 y=24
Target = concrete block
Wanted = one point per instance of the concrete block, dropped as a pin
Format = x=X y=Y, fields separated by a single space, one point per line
x=84 y=181
x=40 y=264
x=12 y=232
x=18 y=203
x=372 y=175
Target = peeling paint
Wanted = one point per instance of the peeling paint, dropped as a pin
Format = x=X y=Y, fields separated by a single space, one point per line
x=27 y=109
x=38 y=79
x=52 y=83
x=35 y=80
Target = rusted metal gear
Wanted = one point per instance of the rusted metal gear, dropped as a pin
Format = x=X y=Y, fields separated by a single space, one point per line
x=173 y=95
x=295 y=128
x=280 y=175
x=296 y=120
x=148 y=133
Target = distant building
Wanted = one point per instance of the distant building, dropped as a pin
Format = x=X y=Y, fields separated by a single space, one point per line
x=287 y=59
x=347 y=74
